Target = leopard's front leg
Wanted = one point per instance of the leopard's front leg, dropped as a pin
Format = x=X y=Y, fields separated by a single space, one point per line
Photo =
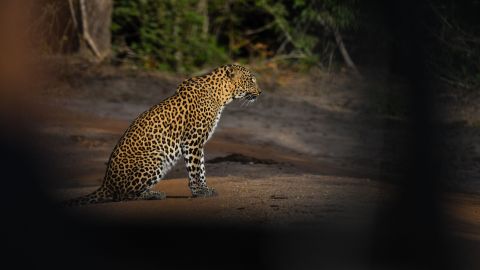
x=194 y=160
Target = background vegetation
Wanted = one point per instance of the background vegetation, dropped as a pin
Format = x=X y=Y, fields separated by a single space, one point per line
x=190 y=35
x=454 y=55
x=185 y=35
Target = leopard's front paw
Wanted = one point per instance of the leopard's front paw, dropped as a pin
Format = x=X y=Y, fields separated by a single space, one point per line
x=205 y=192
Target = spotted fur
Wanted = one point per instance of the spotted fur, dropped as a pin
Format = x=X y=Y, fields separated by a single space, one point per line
x=178 y=126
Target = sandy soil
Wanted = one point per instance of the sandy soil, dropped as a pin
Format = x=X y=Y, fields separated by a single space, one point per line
x=305 y=152
x=275 y=200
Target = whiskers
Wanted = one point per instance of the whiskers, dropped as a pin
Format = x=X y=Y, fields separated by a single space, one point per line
x=248 y=99
x=246 y=102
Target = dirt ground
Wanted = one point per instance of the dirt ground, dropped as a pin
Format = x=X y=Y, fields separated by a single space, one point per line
x=307 y=151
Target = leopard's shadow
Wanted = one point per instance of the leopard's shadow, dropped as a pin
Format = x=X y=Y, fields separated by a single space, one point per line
x=179 y=197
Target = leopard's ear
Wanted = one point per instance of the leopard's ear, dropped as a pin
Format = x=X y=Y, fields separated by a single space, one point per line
x=231 y=72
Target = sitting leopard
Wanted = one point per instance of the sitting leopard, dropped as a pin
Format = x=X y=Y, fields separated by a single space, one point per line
x=179 y=125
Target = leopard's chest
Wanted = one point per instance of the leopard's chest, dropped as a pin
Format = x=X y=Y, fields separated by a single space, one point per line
x=214 y=124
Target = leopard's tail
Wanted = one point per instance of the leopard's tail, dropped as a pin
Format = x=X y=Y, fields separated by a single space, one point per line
x=101 y=195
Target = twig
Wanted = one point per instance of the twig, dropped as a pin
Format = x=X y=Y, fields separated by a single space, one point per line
x=439 y=14
x=454 y=82
x=330 y=59
x=72 y=13
x=454 y=26
x=341 y=46
x=282 y=46
x=283 y=28
x=86 y=33
x=261 y=29
x=343 y=50
x=286 y=57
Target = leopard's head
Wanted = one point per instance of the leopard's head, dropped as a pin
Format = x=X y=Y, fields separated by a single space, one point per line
x=244 y=81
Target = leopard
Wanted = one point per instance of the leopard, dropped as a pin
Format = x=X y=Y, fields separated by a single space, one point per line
x=178 y=126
